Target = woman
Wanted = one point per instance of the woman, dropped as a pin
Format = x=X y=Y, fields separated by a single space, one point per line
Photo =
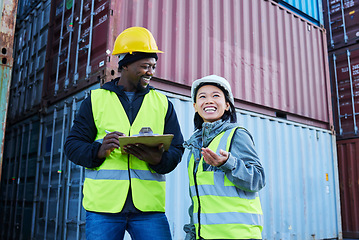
x=224 y=170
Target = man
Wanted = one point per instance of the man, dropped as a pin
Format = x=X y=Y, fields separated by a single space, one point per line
x=126 y=191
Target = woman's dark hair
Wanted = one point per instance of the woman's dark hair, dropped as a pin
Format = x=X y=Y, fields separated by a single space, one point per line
x=228 y=114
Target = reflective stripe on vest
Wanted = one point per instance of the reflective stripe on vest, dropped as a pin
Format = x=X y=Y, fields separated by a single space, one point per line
x=123 y=175
x=106 y=187
x=221 y=210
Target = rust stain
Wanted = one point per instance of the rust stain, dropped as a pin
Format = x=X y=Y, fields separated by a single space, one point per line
x=7 y=29
x=7 y=26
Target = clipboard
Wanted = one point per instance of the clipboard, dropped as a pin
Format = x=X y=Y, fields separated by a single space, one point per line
x=151 y=141
x=147 y=138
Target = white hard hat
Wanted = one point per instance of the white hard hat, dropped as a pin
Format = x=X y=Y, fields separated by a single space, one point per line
x=212 y=79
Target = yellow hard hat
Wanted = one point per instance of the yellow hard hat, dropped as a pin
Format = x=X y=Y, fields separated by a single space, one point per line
x=135 y=39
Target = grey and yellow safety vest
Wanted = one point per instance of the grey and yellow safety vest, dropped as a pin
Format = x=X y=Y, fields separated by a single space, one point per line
x=220 y=209
x=106 y=187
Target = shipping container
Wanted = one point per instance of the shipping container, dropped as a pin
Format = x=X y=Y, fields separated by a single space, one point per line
x=81 y=36
x=341 y=21
x=25 y=7
x=309 y=9
x=300 y=200
x=59 y=209
x=29 y=62
x=251 y=43
x=8 y=11
x=344 y=66
x=348 y=158
x=18 y=181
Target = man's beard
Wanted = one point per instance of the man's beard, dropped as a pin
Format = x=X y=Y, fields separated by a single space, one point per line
x=139 y=86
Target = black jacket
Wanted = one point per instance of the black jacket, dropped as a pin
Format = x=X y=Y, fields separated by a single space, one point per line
x=81 y=149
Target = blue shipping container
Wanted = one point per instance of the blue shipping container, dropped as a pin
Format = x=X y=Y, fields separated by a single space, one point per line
x=311 y=10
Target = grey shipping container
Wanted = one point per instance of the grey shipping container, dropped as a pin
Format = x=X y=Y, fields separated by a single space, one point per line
x=300 y=201
x=18 y=181
x=29 y=62
x=25 y=6
x=251 y=43
x=342 y=22
x=344 y=66
x=348 y=158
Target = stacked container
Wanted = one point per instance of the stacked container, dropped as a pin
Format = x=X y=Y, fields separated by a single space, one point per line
x=29 y=60
x=310 y=10
x=342 y=24
x=276 y=62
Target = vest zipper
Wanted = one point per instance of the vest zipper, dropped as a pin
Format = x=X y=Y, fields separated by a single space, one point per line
x=199 y=202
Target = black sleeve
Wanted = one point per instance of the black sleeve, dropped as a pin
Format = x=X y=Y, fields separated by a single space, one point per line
x=172 y=157
x=80 y=147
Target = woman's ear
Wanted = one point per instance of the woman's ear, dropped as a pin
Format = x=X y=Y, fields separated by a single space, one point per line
x=228 y=106
x=195 y=107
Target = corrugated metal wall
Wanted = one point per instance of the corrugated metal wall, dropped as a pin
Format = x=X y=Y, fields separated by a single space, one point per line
x=341 y=22
x=81 y=36
x=275 y=60
x=348 y=158
x=300 y=201
x=251 y=43
x=312 y=10
x=344 y=66
x=29 y=55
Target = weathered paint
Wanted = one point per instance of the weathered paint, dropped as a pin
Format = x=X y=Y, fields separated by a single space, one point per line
x=348 y=159
x=7 y=28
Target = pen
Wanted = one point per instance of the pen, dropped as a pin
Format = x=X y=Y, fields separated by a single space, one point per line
x=106 y=131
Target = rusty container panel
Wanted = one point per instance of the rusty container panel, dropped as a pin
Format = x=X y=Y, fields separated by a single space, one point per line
x=8 y=11
x=344 y=64
x=341 y=21
x=81 y=37
x=348 y=158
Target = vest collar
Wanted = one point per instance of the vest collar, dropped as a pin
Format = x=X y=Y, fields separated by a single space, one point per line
x=118 y=89
x=202 y=137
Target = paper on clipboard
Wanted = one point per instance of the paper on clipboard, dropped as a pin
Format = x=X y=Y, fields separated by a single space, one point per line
x=151 y=141
x=146 y=137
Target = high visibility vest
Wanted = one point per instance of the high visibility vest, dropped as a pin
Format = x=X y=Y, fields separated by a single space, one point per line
x=220 y=209
x=106 y=187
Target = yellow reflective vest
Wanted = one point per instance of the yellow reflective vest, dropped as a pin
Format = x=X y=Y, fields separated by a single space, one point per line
x=106 y=187
x=220 y=209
